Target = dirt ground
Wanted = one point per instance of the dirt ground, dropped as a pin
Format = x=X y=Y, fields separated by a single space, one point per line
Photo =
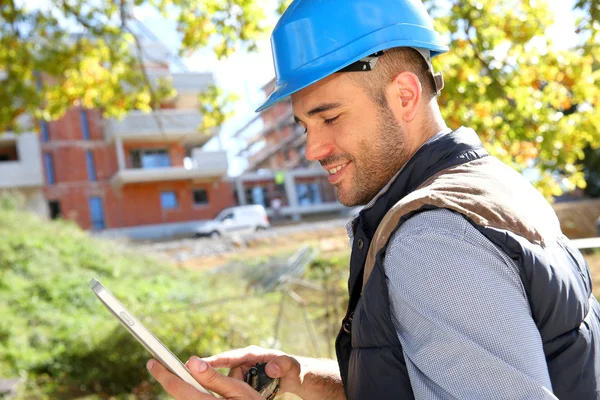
x=327 y=241
x=578 y=218
x=335 y=240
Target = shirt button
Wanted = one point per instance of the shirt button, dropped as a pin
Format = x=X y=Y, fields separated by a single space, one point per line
x=361 y=244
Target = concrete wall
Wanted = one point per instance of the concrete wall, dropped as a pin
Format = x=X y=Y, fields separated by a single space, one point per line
x=27 y=170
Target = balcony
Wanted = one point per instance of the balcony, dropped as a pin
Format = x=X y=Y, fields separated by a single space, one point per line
x=23 y=167
x=184 y=82
x=154 y=54
x=202 y=165
x=177 y=125
x=187 y=84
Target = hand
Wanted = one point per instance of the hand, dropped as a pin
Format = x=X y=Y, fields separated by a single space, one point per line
x=208 y=377
x=279 y=365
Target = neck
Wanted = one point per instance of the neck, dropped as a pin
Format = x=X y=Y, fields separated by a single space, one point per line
x=429 y=124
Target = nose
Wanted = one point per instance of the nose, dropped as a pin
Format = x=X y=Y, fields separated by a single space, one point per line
x=318 y=145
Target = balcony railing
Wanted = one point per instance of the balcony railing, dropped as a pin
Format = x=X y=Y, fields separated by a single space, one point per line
x=202 y=165
x=160 y=125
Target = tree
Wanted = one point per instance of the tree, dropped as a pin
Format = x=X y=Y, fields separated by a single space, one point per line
x=591 y=171
x=77 y=52
x=534 y=106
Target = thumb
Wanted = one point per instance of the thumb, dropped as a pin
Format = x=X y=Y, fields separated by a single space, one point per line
x=223 y=385
x=283 y=366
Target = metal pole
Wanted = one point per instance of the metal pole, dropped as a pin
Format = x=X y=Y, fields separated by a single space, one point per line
x=278 y=321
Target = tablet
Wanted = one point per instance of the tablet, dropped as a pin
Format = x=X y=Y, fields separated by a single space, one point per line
x=144 y=336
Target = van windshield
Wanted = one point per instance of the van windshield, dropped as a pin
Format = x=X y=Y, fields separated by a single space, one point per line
x=223 y=215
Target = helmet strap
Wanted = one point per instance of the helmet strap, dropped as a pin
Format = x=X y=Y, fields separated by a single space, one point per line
x=368 y=63
x=438 y=78
x=364 y=64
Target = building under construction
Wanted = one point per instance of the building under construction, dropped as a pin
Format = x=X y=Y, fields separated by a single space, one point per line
x=278 y=172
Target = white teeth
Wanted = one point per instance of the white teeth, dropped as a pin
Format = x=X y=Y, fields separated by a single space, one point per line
x=336 y=169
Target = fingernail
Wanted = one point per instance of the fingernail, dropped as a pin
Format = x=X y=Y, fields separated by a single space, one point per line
x=196 y=364
x=274 y=370
x=150 y=364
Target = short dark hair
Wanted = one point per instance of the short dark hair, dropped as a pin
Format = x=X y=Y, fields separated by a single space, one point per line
x=389 y=65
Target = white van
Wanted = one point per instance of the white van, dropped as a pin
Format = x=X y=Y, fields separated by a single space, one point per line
x=235 y=220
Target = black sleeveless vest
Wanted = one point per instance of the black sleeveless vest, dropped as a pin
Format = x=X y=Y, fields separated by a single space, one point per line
x=510 y=213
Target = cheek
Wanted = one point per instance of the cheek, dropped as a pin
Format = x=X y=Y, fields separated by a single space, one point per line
x=349 y=140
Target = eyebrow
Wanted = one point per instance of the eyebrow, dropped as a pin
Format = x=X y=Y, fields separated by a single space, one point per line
x=319 y=109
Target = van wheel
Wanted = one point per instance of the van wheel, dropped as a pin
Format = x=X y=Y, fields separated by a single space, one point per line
x=260 y=228
x=215 y=235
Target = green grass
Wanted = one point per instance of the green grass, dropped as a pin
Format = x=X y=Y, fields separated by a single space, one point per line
x=55 y=333
x=57 y=336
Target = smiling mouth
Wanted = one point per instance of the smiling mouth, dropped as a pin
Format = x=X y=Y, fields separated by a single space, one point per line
x=337 y=169
x=336 y=174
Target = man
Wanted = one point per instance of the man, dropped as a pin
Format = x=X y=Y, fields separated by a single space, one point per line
x=461 y=285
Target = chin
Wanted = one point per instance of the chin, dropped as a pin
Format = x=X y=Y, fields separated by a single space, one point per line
x=347 y=198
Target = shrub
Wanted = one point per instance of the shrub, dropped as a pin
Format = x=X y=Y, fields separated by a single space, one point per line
x=56 y=334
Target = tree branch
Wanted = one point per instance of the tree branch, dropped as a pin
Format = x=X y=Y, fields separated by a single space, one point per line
x=469 y=25
x=81 y=21
x=140 y=58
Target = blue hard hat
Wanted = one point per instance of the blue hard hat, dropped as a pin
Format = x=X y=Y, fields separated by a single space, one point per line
x=316 y=38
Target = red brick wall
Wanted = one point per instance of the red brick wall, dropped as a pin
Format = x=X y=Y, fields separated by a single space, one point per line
x=74 y=201
x=105 y=159
x=141 y=202
x=69 y=126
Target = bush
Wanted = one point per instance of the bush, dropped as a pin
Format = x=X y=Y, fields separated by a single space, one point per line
x=56 y=334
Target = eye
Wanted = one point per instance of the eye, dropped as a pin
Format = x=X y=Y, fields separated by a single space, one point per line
x=331 y=120
x=301 y=126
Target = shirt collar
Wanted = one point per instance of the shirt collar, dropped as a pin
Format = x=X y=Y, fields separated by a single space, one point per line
x=350 y=224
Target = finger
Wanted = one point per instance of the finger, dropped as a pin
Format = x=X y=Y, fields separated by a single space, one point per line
x=236 y=373
x=173 y=384
x=281 y=366
x=248 y=356
x=227 y=387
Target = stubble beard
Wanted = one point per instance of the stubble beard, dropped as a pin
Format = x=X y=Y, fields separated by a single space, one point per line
x=385 y=152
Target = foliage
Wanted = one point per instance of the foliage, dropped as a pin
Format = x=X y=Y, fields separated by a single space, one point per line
x=591 y=171
x=75 y=52
x=215 y=106
x=533 y=105
x=55 y=333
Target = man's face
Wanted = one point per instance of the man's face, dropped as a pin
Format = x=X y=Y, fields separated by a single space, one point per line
x=358 y=141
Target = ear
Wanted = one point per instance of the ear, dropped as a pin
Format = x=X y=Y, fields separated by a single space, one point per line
x=404 y=95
